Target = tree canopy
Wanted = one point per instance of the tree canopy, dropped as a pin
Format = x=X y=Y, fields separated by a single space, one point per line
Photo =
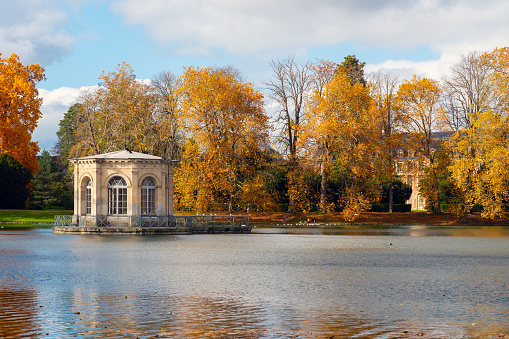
x=47 y=183
x=226 y=133
x=19 y=109
x=336 y=141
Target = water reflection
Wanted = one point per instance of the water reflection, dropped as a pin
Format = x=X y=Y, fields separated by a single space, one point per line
x=412 y=230
x=405 y=283
x=18 y=312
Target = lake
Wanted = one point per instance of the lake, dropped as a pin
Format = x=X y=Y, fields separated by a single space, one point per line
x=400 y=282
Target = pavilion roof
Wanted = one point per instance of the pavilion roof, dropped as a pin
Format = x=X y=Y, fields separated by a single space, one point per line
x=122 y=155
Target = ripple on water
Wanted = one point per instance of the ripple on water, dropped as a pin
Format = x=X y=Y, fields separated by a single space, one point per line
x=254 y=286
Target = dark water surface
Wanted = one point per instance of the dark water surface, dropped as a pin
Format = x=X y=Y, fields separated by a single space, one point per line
x=276 y=283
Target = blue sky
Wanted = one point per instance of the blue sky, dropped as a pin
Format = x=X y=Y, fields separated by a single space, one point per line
x=75 y=40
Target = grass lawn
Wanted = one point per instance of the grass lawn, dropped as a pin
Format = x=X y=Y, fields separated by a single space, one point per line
x=30 y=217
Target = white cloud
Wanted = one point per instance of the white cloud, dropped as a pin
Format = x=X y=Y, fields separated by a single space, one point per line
x=55 y=103
x=33 y=29
x=405 y=69
x=244 y=28
x=249 y=26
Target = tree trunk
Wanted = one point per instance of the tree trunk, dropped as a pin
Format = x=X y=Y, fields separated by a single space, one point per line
x=291 y=198
x=323 y=188
x=390 y=196
x=436 y=204
x=436 y=194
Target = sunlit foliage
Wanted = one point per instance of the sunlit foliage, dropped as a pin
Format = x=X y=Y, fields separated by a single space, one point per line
x=19 y=109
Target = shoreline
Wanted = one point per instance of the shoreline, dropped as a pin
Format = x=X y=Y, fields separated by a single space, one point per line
x=374 y=219
x=318 y=220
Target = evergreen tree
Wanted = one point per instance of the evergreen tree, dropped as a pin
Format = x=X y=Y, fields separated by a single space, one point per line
x=47 y=182
x=14 y=183
x=354 y=70
x=65 y=133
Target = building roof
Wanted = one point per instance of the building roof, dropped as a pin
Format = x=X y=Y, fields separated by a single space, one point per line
x=122 y=155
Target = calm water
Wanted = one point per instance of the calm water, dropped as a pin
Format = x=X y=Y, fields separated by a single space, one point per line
x=277 y=283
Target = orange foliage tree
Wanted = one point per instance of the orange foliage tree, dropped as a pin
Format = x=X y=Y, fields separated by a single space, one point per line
x=226 y=132
x=419 y=102
x=498 y=62
x=19 y=109
x=340 y=131
x=120 y=113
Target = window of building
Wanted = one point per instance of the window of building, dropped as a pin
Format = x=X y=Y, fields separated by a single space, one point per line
x=117 y=196
x=88 y=196
x=148 y=196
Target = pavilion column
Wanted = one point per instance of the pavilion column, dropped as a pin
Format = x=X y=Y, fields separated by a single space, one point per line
x=97 y=187
x=169 y=194
x=77 y=190
x=134 y=195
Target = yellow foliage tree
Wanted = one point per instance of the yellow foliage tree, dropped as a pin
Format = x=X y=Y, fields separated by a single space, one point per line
x=383 y=87
x=340 y=129
x=19 y=109
x=227 y=133
x=481 y=163
x=498 y=61
x=121 y=113
x=419 y=102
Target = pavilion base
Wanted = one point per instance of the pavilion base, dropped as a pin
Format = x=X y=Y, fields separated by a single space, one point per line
x=151 y=225
x=148 y=230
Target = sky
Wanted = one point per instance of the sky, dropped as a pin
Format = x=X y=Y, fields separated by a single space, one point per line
x=75 y=40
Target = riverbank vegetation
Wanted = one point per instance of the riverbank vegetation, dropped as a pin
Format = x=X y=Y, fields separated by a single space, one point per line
x=325 y=138
x=45 y=218
x=377 y=219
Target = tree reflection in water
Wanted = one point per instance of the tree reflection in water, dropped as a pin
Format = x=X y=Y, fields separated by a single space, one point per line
x=18 y=312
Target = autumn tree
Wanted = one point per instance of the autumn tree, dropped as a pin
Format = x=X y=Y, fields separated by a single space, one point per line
x=19 y=109
x=498 y=62
x=323 y=72
x=481 y=161
x=383 y=87
x=340 y=131
x=165 y=85
x=468 y=90
x=121 y=113
x=226 y=133
x=289 y=87
x=419 y=102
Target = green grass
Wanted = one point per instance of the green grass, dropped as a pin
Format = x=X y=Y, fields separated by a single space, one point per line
x=31 y=217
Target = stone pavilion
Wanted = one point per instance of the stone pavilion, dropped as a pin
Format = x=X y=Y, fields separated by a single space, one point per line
x=123 y=183
x=127 y=192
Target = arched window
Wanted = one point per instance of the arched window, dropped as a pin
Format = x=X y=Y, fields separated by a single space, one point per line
x=88 y=196
x=117 y=196
x=148 y=196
